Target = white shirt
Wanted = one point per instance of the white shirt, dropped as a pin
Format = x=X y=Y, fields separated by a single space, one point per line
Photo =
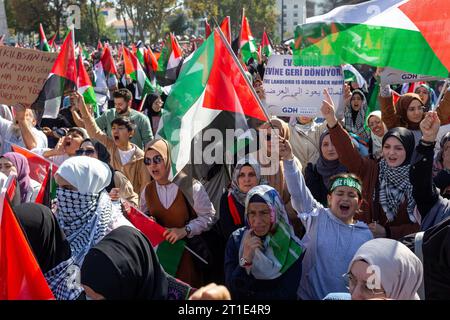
x=7 y=137
x=125 y=156
x=202 y=205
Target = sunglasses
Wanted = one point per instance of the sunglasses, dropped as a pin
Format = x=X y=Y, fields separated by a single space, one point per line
x=87 y=152
x=156 y=160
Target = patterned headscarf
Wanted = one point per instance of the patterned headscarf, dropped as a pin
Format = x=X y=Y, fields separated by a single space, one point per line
x=235 y=190
x=281 y=247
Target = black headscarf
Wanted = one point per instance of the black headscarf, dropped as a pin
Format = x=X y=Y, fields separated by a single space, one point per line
x=406 y=137
x=328 y=168
x=47 y=240
x=124 y=266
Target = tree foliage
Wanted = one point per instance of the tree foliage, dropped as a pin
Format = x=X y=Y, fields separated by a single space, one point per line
x=261 y=13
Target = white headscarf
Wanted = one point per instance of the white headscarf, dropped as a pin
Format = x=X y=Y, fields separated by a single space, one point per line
x=88 y=175
x=401 y=271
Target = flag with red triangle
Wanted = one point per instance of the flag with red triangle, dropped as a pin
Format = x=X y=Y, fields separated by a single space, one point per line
x=134 y=69
x=43 y=44
x=61 y=80
x=84 y=85
x=51 y=42
x=170 y=61
x=226 y=28
x=207 y=29
x=107 y=60
x=99 y=46
x=20 y=275
x=247 y=42
x=266 y=47
x=169 y=255
x=212 y=91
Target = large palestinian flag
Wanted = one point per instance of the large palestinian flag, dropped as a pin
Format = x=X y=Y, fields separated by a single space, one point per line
x=61 y=80
x=211 y=92
x=401 y=34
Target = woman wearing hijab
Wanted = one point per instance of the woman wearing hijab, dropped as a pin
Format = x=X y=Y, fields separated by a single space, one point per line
x=384 y=269
x=120 y=186
x=165 y=201
x=15 y=163
x=355 y=114
x=409 y=110
x=153 y=108
x=263 y=259
x=317 y=175
x=442 y=160
x=275 y=178
x=123 y=266
x=389 y=204
x=85 y=211
x=51 y=249
x=427 y=96
x=246 y=175
x=377 y=131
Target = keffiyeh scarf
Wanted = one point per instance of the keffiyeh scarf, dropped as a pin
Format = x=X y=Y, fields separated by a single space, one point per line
x=394 y=187
x=63 y=280
x=84 y=218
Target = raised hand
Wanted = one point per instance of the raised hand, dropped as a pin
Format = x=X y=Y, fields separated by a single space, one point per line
x=285 y=150
x=328 y=110
x=347 y=95
x=430 y=126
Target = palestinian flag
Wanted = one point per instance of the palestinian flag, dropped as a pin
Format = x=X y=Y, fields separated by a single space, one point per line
x=170 y=62
x=207 y=29
x=20 y=275
x=212 y=92
x=266 y=47
x=107 y=60
x=353 y=75
x=61 y=80
x=134 y=69
x=169 y=255
x=51 y=42
x=151 y=62
x=398 y=34
x=84 y=84
x=247 y=44
x=225 y=26
x=43 y=44
x=99 y=46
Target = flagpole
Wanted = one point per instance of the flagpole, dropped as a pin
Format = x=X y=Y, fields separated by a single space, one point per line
x=444 y=88
x=195 y=254
x=230 y=51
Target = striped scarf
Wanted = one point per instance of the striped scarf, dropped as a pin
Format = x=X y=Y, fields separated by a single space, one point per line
x=84 y=218
x=394 y=187
x=281 y=247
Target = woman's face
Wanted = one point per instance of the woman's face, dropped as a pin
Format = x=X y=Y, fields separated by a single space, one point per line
x=328 y=149
x=156 y=166
x=259 y=218
x=344 y=202
x=415 y=111
x=394 y=152
x=247 y=178
x=423 y=93
x=88 y=150
x=356 y=102
x=7 y=167
x=364 y=282
x=304 y=120
x=63 y=183
x=376 y=125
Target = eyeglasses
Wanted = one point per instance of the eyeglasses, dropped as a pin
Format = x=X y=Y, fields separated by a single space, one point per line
x=156 y=160
x=87 y=152
x=351 y=282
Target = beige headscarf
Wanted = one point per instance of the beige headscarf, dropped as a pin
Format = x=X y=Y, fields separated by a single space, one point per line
x=277 y=180
x=377 y=142
x=162 y=147
x=401 y=272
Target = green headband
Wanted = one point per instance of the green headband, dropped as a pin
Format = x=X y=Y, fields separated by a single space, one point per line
x=346 y=182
